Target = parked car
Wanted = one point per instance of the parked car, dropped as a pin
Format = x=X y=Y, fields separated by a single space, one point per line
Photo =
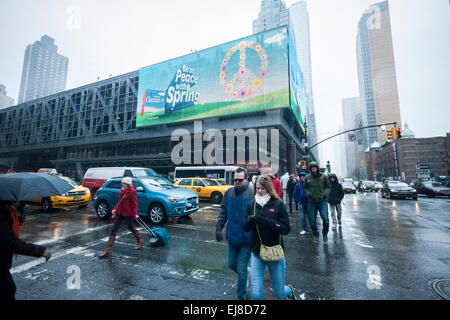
x=94 y=178
x=367 y=186
x=431 y=189
x=157 y=199
x=397 y=189
x=348 y=187
x=205 y=188
x=79 y=196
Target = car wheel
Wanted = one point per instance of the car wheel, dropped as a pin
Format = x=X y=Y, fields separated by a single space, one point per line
x=216 y=197
x=103 y=210
x=46 y=205
x=157 y=214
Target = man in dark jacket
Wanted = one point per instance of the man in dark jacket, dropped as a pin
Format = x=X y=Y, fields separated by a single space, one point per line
x=10 y=244
x=233 y=209
x=317 y=187
x=290 y=191
x=335 y=199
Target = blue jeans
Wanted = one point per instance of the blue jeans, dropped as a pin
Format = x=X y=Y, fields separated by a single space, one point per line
x=322 y=207
x=277 y=272
x=304 y=217
x=238 y=261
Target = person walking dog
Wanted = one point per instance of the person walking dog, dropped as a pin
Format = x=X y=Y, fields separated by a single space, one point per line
x=268 y=220
x=232 y=212
x=125 y=209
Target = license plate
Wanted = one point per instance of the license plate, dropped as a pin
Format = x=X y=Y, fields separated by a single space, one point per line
x=77 y=199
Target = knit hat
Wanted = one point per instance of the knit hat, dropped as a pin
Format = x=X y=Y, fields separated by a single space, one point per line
x=127 y=180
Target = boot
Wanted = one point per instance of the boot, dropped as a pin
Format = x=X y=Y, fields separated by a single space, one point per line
x=108 y=247
x=139 y=240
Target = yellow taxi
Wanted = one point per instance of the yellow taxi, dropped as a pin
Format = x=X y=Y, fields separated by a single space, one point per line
x=205 y=188
x=79 y=196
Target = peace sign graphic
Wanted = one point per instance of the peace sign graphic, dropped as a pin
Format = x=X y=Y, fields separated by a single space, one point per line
x=243 y=83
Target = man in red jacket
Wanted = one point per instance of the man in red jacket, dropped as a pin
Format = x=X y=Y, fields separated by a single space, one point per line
x=276 y=183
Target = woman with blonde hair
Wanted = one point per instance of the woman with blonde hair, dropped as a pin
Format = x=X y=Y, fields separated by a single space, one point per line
x=268 y=219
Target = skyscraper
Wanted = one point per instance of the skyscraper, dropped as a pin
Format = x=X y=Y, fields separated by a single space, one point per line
x=299 y=29
x=44 y=70
x=5 y=101
x=350 y=111
x=273 y=14
x=376 y=71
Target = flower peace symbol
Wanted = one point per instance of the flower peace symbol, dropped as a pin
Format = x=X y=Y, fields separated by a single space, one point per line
x=243 y=83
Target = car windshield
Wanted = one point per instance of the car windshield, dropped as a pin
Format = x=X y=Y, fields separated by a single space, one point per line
x=369 y=183
x=433 y=185
x=158 y=183
x=210 y=182
x=220 y=182
x=144 y=173
x=347 y=184
x=397 y=184
x=70 y=181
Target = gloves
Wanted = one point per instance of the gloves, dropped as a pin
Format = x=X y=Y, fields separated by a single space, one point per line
x=219 y=236
x=114 y=214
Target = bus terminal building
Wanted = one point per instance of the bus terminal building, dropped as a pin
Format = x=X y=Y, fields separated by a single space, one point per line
x=239 y=103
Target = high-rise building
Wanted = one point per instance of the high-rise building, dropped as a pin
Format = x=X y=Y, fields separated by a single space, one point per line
x=350 y=111
x=299 y=28
x=44 y=70
x=376 y=72
x=273 y=14
x=5 y=101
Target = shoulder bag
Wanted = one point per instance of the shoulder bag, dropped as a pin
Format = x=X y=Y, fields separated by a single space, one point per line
x=266 y=253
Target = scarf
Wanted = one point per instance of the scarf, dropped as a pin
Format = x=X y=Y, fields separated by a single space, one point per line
x=262 y=200
x=15 y=223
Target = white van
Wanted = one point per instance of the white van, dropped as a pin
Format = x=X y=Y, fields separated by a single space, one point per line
x=94 y=178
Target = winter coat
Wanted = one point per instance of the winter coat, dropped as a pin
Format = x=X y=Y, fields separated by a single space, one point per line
x=290 y=187
x=128 y=206
x=10 y=244
x=232 y=210
x=337 y=192
x=277 y=186
x=317 y=187
x=272 y=221
x=300 y=194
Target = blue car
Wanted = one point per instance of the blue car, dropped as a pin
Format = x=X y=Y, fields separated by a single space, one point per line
x=158 y=199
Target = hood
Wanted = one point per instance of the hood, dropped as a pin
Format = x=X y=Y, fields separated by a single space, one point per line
x=332 y=175
x=177 y=192
x=314 y=163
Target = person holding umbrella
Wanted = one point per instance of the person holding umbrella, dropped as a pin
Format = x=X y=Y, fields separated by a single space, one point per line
x=126 y=209
x=14 y=188
x=11 y=244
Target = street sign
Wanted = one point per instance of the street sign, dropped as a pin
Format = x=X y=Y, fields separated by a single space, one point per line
x=352 y=137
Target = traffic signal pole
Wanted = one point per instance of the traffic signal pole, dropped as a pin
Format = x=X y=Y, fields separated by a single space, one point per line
x=308 y=149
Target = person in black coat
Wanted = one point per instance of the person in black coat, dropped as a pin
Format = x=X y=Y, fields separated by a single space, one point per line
x=268 y=219
x=11 y=244
x=290 y=191
x=334 y=199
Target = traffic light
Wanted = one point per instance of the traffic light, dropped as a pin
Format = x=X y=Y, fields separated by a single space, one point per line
x=390 y=134
x=398 y=133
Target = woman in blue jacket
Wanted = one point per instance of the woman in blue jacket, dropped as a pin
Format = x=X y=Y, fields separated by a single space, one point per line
x=300 y=197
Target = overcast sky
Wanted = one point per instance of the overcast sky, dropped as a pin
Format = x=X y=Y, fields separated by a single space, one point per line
x=117 y=36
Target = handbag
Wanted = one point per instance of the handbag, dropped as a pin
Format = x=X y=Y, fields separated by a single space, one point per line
x=266 y=253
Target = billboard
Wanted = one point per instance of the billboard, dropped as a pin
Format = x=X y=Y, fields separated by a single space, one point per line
x=246 y=75
x=297 y=87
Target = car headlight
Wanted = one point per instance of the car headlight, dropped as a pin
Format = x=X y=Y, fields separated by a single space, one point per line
x=173 y=199
x=64 y=194
x=392 y=190
x=353 y=188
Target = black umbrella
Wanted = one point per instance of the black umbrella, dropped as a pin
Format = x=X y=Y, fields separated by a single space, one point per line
x=29 y=185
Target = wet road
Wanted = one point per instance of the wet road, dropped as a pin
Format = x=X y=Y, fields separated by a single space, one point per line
x=386 y=249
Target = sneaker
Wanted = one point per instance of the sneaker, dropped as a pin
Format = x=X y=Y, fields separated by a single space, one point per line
x=325 y=238
x=315 y=239
x=303 y=232
x=292 y=295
